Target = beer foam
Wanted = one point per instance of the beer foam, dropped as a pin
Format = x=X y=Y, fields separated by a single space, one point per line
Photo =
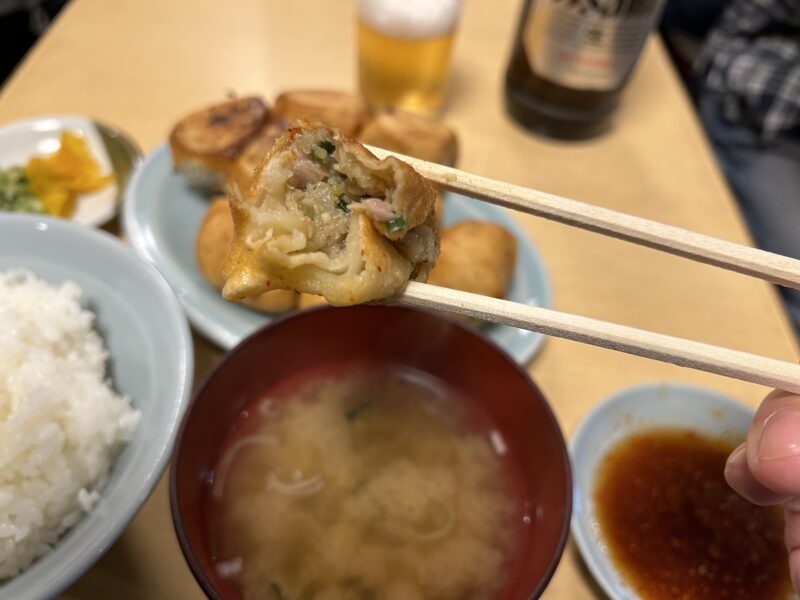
x=413 y=19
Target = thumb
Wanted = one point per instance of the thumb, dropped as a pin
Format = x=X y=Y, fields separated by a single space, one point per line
x=773 y=444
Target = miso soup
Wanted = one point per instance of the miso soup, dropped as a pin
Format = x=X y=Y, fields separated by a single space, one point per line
x=379 y=484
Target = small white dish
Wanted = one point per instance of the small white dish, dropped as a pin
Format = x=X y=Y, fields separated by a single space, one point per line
x=40 y=136
x=623 y=413
x=161 y=215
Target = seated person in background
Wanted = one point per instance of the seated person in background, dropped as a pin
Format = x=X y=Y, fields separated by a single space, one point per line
x=747 y=86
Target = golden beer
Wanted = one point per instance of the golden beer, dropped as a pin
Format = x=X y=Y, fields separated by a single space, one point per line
x=404 y=62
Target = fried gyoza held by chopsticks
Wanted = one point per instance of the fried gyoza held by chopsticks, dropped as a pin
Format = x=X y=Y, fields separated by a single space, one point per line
x=324 y=216
x=211 y=247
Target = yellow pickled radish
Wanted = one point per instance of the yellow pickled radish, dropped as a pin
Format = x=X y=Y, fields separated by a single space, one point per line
x=57 y=179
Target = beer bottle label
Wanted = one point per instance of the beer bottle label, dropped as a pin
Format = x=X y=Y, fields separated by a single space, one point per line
x=587 y=44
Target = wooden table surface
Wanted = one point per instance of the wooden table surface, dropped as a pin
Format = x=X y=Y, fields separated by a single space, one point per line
x=141 y=65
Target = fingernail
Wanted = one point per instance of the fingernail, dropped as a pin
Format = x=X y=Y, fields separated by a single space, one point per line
x=780 y=435
x=737 y=457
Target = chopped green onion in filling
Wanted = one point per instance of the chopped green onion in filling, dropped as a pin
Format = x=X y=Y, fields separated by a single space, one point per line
x=321 y=151
x=318 y=155
x=395 y=225
x=327 y=145
x=342 y=205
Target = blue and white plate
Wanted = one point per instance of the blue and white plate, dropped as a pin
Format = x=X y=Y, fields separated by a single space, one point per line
x=161 y=216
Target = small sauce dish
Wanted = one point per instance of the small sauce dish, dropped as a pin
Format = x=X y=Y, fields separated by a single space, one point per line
x=644 y=407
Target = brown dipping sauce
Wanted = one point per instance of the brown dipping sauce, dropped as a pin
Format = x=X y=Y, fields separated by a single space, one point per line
x=674 y=527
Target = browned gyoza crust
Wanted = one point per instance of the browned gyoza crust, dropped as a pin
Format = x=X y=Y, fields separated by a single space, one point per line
x=241 y=171
x=340 y=109
x=212 y=245
x=211 y=139
x=369 y=262
x=413 y=135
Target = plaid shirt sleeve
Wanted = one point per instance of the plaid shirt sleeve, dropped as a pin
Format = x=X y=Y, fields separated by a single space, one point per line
x=752 y=59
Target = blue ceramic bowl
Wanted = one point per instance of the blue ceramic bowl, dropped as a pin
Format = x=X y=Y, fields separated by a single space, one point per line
x=151 y=361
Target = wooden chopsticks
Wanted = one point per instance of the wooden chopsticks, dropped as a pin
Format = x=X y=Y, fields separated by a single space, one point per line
x=675 y=240
x=678 y=351
x=702 y=248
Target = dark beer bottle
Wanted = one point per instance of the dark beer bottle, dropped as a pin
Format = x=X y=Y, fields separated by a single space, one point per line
x=570 y=61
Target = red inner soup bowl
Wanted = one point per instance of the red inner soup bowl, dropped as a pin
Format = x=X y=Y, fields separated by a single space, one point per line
x=455 y=354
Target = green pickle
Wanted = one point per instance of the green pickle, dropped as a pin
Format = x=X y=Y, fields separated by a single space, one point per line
x=15 y=193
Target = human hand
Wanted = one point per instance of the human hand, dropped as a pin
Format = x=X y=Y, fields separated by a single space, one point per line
x=766 y=468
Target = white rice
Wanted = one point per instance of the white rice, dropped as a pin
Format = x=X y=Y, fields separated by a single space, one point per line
x=61 y=424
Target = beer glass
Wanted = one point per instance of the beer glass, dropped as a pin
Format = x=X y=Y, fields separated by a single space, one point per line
x=404 y=51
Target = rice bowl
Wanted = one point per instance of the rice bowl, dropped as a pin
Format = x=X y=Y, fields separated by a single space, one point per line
x=150 y=361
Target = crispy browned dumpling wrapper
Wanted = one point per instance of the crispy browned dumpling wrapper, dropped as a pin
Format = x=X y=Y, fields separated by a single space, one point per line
x=241 y=171
x=439 y=211
x=476 y=257
x=206 y=143
x=213 y=241
x=211 y=247
x=340 y=109
x=274 y=302
x=309 y=301
x=413 y=135
x=324 y=216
